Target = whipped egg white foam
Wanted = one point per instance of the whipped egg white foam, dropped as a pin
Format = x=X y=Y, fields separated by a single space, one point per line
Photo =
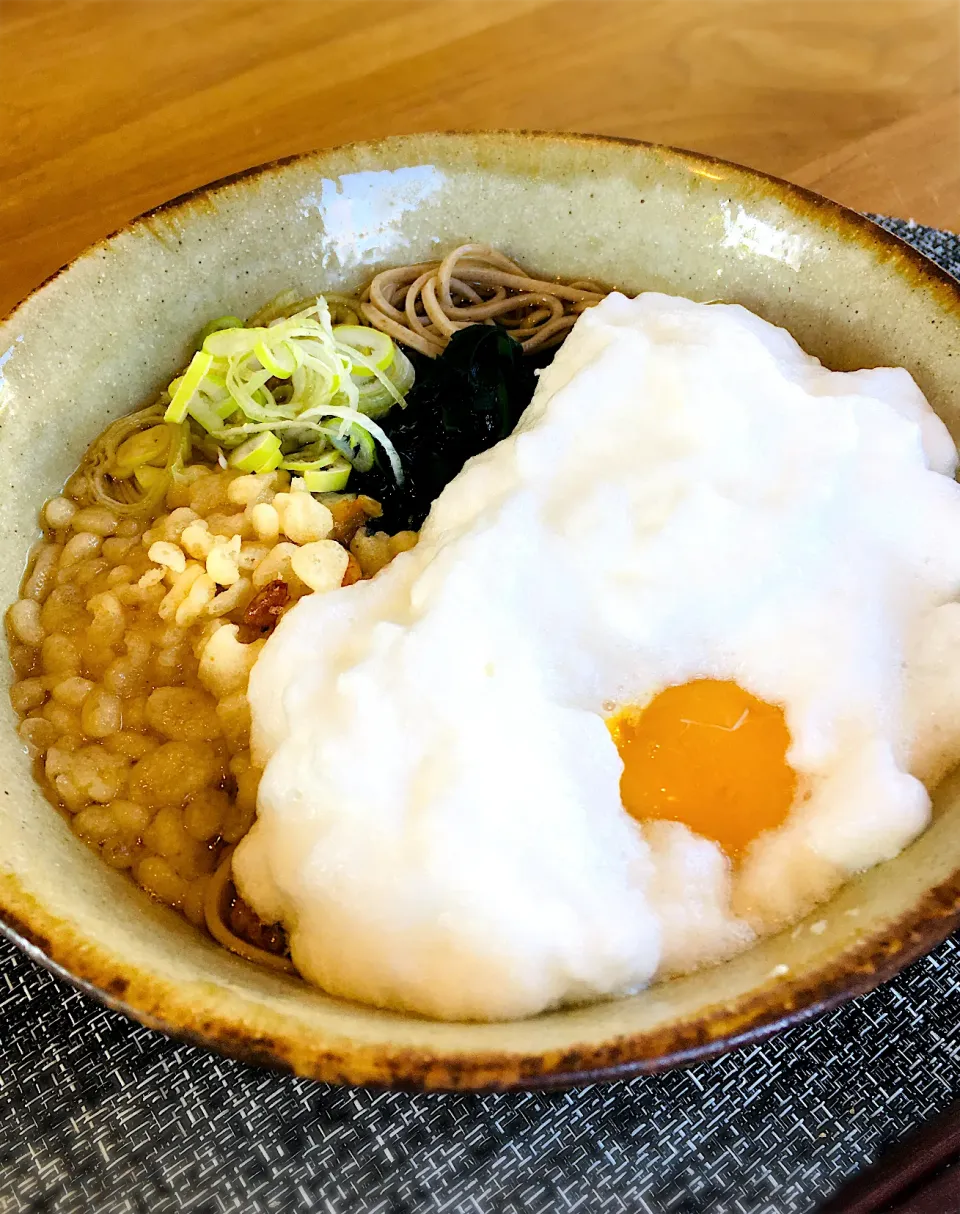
x=689 y=495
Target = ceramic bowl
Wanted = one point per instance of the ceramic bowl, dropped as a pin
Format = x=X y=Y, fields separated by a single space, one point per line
x=106 y=332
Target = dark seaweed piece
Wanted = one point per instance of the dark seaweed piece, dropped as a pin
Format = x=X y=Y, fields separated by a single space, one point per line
x=462 y=402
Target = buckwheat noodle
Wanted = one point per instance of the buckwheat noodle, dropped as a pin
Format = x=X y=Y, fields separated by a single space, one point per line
x=95 y=477
x=423 y=305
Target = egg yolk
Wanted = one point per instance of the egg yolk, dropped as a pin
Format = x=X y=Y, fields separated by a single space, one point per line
x=710 y=755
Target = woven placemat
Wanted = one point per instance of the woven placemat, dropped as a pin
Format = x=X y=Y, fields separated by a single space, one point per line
x=100 y=1115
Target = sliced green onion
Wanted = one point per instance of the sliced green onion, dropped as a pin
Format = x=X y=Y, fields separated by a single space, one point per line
x=150 y=478
x=311 y=459
x=350 y=373
x=231 y=343
x=215 y=385
x=200 y=364
x=376 y=347
x=145 y=447
x=328 y=480
x=222 y=322
x=365 y=423
x=258 y=454
x=208 y=414
x=378 y=395
x=355 y=443
x=279 y=358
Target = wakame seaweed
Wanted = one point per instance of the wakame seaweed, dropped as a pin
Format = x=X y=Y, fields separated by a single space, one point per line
x=462 y=402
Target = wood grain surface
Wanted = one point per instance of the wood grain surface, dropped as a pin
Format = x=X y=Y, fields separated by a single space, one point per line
x=111 y=108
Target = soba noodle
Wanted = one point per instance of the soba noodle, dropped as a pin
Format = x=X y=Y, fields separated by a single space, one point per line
x=98 y=480
x=423 y=305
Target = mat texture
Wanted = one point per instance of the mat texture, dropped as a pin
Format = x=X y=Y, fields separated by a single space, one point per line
x=99 y=1115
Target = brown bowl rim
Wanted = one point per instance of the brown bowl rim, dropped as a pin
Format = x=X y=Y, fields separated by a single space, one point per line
x=718 y=1030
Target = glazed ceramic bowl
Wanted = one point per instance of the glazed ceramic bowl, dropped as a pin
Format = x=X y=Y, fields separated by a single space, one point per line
x=104 y=334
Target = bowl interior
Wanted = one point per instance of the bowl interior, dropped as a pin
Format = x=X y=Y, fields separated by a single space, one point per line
x=103 y=335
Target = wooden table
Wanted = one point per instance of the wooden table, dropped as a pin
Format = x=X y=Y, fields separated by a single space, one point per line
x=111 y=108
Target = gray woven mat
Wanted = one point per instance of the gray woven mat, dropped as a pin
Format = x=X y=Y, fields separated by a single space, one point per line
x=97 y=1114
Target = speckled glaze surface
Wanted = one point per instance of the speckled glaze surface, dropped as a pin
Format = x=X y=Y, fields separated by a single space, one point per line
x=105 y=333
